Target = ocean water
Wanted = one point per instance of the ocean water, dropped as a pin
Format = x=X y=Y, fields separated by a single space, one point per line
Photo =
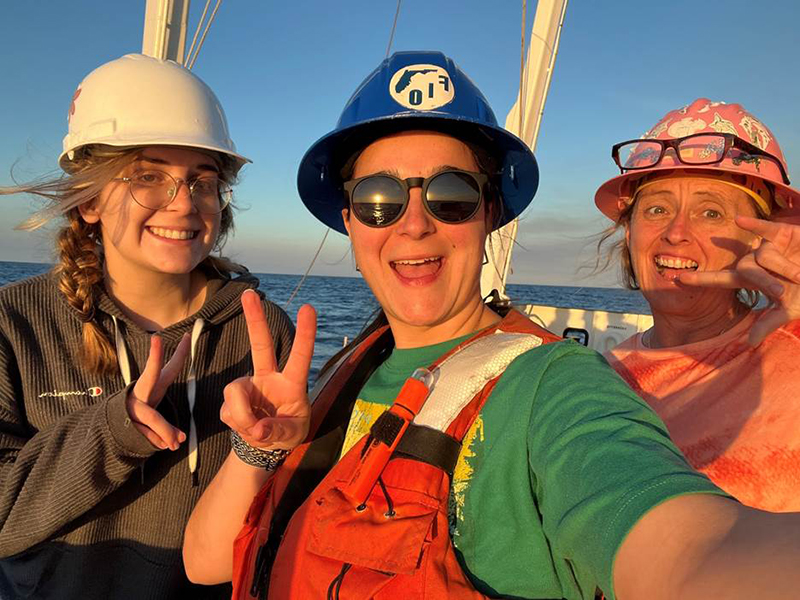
x=345 y=304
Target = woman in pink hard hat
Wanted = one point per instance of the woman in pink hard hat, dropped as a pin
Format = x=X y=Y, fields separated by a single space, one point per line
x=102 y=452
x=702 y=199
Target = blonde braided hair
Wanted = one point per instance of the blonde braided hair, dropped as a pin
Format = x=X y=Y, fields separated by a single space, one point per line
x=80 y=273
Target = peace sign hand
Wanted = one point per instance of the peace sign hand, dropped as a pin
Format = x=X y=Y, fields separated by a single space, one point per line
x=149 y=390
x=270 y=409
x=773 y=269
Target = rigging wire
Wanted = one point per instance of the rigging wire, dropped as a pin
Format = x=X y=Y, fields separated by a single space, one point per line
x=327 y=231
x=505 y=240
x=394 y=26
x=205 y=32
x=308 y=270
x=197 y=32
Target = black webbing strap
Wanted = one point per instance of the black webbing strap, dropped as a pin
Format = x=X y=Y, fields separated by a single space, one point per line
x=319 y=459
x=386 y=428
x=430 y=446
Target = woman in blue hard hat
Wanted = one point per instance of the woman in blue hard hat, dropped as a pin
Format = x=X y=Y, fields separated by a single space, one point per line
x=453 y=451
x=104 y=452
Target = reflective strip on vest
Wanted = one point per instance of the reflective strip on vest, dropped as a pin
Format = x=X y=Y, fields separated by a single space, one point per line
x=461 y=376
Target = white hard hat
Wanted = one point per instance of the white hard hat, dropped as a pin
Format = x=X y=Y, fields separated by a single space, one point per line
x=139 y=100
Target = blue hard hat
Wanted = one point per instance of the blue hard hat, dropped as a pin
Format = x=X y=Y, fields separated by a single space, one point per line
x=415 y=90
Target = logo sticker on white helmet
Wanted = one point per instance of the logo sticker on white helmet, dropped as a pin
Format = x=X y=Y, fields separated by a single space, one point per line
x=72 y=104
x=422 y=87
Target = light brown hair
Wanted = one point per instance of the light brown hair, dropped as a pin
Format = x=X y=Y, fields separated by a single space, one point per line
x=79 y=244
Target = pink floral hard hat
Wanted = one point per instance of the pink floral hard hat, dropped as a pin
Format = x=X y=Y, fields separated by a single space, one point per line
x=764 y=163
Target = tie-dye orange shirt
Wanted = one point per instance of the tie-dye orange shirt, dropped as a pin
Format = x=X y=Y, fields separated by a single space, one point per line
x=733 y=410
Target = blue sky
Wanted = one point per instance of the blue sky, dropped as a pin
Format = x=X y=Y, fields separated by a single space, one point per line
x=283 y=71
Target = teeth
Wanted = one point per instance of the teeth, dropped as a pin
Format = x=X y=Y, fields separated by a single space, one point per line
x=418 y=261
x=173 y=234
x=675 y=263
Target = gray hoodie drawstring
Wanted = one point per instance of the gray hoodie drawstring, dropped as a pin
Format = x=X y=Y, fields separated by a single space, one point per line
x=191 y=386
x=124 y=368
x=191 y=393
x=122 y=353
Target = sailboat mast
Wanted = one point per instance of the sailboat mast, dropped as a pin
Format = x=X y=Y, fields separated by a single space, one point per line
x=165 y=23
x=524 y=120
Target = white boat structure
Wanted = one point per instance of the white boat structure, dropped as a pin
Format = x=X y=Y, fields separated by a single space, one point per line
x=165 y=37
x=598 y=329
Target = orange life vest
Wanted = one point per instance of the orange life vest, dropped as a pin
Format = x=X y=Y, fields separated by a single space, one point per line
x=306 y=537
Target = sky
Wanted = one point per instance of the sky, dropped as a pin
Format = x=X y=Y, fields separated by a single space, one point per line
x=283 y=71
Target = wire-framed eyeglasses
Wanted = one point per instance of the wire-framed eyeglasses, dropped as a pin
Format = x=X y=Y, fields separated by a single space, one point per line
x=695 y=149
x=154 y=189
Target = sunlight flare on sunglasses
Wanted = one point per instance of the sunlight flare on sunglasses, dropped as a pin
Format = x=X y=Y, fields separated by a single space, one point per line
x=451 y=196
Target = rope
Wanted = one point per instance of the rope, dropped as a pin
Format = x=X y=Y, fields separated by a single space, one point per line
x=394 y=25
x=205 y=32
x=308 y=270
x=197 y=32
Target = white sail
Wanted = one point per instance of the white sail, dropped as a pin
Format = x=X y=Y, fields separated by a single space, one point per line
x=524 y=121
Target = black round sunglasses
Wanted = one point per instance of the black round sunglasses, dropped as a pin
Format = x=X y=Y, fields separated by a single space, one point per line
x=451 y=196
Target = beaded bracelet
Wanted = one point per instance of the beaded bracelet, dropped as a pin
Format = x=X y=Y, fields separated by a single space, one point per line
x=257 y=457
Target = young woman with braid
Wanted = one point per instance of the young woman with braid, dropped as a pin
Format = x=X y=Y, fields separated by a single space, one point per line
x=103 y=448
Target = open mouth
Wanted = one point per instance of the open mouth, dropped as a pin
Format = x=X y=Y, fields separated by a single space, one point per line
x=666 y=263
x=414 y=268
x=173 y=234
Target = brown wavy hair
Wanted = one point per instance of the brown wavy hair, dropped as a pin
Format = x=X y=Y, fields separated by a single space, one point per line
x=79 y=244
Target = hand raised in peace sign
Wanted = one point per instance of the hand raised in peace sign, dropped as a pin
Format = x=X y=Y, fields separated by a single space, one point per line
x=270 y=409
x=773 y=269
x=145 y=396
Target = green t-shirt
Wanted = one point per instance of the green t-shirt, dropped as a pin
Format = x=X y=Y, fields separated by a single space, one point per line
x=560 y=464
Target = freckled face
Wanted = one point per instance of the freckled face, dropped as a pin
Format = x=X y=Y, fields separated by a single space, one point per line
x=423 y=272
x=682 y=224
x=171 y=240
